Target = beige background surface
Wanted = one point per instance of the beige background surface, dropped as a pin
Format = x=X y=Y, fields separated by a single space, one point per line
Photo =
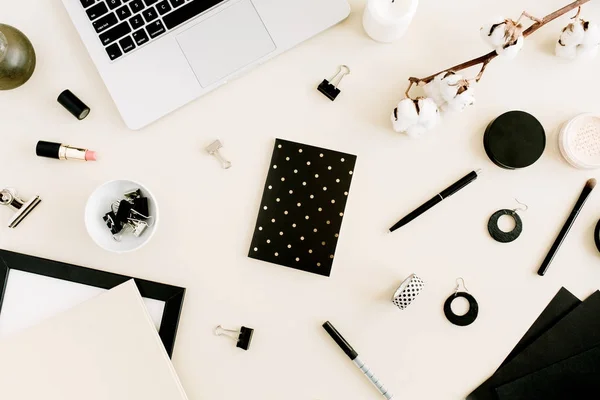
x=208 y=214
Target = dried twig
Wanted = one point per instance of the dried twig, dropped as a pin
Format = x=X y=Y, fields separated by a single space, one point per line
x=485 y=59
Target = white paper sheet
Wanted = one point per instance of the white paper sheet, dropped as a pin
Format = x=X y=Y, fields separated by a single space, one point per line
x=30 y=298
x=104 y=349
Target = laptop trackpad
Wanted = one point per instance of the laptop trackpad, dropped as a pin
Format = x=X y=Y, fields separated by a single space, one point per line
x=226 y=42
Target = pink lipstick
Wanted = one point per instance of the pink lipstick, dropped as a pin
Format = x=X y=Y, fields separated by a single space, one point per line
x=63 y=152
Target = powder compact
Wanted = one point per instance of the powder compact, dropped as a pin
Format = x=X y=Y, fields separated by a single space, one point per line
x=579 y=141
x=514 y=140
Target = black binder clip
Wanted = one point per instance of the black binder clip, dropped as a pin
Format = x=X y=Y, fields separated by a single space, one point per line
x=244 y=335
x=22 y=208
x=330 y=87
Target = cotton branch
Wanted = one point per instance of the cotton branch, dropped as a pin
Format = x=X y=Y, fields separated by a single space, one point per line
x=485 y=59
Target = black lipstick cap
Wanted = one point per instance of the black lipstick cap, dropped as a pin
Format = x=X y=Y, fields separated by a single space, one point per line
x=47 y=149
x=72 y=103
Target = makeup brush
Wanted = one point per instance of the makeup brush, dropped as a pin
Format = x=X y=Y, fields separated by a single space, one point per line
x=589 y=186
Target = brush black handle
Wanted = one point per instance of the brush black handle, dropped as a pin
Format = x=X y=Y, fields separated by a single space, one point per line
x=565 y=230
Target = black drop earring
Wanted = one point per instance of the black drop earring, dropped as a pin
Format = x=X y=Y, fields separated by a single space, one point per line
x=506 y=237
x=597 y=235
x=470 y=316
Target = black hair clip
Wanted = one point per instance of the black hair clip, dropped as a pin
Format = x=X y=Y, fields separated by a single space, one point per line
x=330 y=88
x=244 y=335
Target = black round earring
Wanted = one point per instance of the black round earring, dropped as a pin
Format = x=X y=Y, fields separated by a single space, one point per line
x=470 y=316
x=506 y=237
x=597 y=235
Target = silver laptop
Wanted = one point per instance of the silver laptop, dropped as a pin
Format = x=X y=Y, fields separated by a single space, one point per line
x=157 y=55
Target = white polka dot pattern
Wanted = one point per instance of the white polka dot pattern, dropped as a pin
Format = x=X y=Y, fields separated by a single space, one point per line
x=303 y=206
x=408 y=291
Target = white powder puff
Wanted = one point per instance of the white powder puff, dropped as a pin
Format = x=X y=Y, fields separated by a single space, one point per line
x=567 y=52
x=461 y=101
x=591 y=37
x=573 y=34
x=494 y=33
x=415 y=117
x=511 y=51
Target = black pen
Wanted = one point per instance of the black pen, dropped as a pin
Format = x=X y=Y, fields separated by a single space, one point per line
x=353 y=355
x=461 y=183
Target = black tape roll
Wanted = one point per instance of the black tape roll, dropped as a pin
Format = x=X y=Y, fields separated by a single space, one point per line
x=72 y=103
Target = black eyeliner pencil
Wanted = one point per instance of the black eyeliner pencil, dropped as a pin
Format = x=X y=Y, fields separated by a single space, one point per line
x=589 y=186
x=455 y=187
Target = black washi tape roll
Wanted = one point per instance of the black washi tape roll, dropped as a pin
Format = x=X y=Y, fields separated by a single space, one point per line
x=72 y=103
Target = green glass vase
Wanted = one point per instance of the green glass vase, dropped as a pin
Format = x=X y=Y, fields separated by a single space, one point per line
x=17 y=58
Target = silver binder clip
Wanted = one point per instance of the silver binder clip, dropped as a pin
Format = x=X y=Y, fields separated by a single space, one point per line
x=8 y=197
x=213 y=150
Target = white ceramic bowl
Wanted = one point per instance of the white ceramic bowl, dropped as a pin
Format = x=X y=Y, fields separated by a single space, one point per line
x=99 y=204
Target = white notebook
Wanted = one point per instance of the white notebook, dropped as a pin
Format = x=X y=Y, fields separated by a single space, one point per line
x=104 y=349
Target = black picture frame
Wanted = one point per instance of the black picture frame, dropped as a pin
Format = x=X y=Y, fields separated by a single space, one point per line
x=172 y=296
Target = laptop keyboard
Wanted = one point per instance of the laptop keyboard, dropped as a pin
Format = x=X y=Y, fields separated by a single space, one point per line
x=124 y=25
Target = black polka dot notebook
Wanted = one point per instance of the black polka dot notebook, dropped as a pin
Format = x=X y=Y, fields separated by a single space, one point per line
x=303 y=207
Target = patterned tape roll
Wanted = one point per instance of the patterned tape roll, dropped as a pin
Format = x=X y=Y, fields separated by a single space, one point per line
x=408 y=291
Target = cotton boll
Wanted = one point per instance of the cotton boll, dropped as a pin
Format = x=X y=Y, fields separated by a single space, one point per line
x=415 y=117
x=494 y=33
x=587 y=52
x=573 y=34
x=511 y=51
x=428 y=113
x=450 y=86
x=567 y=52
x=461 y=101
x=405 y=115
x=443 y=87
x=432 y=89
x=591 y=36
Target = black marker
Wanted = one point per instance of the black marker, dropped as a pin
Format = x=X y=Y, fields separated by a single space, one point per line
x=437 y=199
x=350 y=352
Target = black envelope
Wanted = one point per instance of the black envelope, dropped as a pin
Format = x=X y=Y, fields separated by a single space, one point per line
x=562 y=304
x=577 y=378
x=577 y=332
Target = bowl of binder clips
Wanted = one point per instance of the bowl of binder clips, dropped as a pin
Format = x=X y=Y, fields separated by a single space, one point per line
x=121 y=216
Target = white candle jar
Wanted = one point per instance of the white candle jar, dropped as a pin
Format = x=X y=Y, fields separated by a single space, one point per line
x=387 y=21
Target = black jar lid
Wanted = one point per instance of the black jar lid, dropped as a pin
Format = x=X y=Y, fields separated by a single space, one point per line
x=514 y=140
